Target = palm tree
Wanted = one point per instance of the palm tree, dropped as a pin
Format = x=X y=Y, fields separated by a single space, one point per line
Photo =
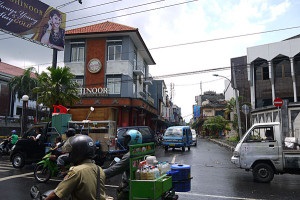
x=24 y=84
x=57 y=87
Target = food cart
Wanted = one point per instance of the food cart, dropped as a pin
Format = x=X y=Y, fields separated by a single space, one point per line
x=101 y=131
x=104 y=135
x=158 y=187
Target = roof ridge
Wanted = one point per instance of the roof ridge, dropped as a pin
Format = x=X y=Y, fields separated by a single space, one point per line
x=106 y=26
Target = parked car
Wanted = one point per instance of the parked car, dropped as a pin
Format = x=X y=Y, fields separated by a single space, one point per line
x=147 y=134
x=27 y=150
x=177 y=137
x=194 y=137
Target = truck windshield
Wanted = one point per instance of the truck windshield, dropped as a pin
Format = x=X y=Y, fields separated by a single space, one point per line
x=173 y=132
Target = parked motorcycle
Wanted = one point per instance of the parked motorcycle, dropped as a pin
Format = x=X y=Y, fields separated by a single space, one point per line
x=4 y=147
x=46 y=168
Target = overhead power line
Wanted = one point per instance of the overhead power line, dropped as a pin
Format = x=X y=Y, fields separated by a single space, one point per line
x=85 y=23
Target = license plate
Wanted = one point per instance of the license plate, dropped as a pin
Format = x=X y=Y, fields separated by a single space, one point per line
x=172 y=145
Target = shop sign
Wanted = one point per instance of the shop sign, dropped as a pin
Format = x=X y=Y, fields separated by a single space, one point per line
x=93 y=92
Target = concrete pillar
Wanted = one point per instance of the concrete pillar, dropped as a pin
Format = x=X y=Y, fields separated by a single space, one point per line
x=271 y=77
x=284 y=119
x=250 y=71
x=293 y=78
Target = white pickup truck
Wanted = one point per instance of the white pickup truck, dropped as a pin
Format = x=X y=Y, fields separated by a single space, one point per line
x=266 y=151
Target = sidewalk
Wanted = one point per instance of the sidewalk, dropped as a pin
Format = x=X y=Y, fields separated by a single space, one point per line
x=223 y=142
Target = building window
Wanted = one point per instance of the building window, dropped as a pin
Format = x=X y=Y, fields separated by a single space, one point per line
x=134 y=89
x=77 y=52
x=134 y=60
x=79 y=82
x=265 y=72
x=114 y=52
x=114 y=85
x=283 y=69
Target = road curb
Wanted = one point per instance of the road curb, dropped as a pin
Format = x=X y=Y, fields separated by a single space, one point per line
x=230 y=147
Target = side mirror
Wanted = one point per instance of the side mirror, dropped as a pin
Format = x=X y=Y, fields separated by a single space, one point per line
x=35 y=192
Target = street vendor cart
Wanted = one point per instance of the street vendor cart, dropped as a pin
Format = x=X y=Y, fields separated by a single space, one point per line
x=148 y=182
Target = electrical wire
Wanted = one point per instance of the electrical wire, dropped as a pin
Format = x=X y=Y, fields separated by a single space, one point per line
x=107 y=13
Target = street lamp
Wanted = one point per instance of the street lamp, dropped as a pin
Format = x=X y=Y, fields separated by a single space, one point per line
x=91 y=110
x=25 y=99
x=236 y=102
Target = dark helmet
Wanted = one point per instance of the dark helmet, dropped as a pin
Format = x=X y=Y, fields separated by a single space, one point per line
x=132 y=137
x=80 y=147
x=70 y=132
x=13 y=132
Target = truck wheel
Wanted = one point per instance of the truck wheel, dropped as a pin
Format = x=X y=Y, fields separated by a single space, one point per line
x=183 y=148
x=18 y=161
x=42 y=173
x=189 y=148
x=166 y=148
x=263 y=173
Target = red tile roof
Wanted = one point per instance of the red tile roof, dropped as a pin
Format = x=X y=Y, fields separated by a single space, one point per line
x=11 y=70
x=101 y=28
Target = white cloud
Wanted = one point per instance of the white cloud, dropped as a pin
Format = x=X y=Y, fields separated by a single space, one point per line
x=187 y=23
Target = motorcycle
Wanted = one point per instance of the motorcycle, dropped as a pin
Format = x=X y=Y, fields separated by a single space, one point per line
x=47 y=168
x=36 y=194
x=4 y=147
x=158 y=139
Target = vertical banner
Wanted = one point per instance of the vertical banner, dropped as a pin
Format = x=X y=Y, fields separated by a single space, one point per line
x=196 y=111
x=34 y=20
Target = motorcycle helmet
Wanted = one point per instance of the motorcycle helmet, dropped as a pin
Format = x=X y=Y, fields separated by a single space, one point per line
x=13 y=132
x=80 y=147
x=132 y=137
x=70 y=132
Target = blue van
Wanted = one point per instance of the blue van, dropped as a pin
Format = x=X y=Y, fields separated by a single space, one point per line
x=178 y=137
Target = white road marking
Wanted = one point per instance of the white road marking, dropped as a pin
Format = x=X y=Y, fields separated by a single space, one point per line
x=15 y=176
x=173 y=159
x=214 y=196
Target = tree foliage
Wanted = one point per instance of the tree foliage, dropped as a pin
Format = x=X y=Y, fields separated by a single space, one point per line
x=215 y=124
x=24 y=84
x=57 y=87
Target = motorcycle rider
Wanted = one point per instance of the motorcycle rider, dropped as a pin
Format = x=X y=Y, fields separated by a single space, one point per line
x=13 y=139
x=85 y=180
x=63 y=159
x=131 y=137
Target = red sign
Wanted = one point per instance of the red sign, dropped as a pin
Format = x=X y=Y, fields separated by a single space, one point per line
x=278 y=102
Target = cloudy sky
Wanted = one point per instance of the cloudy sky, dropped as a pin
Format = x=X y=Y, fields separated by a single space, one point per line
x=182 y=36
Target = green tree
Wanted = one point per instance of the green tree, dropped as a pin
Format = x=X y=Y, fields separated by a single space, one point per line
x=215 y=124
x=231 y=107
x=57 y=87
x=24 y=84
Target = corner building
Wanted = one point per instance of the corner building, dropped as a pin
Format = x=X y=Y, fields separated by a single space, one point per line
x=111 y=64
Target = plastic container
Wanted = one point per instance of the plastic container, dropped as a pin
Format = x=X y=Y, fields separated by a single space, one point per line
x=181 y=177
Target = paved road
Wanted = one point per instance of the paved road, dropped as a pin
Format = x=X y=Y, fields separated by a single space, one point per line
x=214 y=177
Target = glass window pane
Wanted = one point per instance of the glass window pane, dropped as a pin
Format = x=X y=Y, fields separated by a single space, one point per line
x=118 y=52
x=111 y=53
x=81 y=54
x=73 y=54
x=117 y=86
x=110 y=86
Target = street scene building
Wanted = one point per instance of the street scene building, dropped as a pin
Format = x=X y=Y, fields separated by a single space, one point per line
x=111 y=64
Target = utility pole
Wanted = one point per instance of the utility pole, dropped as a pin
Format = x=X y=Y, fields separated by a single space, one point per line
x=237 y=105
x=54 y=58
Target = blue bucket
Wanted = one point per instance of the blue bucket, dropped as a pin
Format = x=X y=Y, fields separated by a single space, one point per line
x=181 y=177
